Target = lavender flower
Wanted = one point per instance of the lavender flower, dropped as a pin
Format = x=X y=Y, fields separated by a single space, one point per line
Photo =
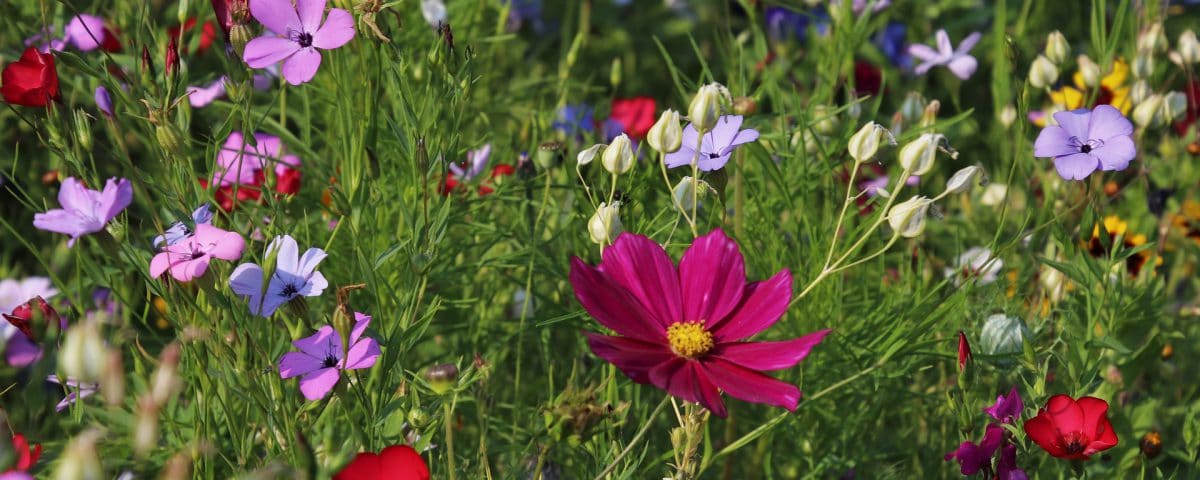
x=958 y=60
x=79 y=391
x=86 y=32
x=322 y=356
x=85 y=211
x=180 y=231
x=1085 y=141
x=477 y=161
x=295 y=35
x=104 y=101
x=294 y=276
x=717 y=145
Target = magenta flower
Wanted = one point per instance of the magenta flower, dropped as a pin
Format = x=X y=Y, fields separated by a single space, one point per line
x=683 y=330
x=958 y=60
x=321 y=357
x=1007 y=408
x=1085 y=141
x=189 y=258
x=717 y=147
x=239 y=162
x=85 y=211
x=974 y=457
x=295 y=35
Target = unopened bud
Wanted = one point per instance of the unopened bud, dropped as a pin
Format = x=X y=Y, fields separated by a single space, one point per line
x=112 y=383
x=1003 y=335
x=171 y=63
x=145 y=428
x=1188 y=48
x=548 y=154
x=917 y=156
x=79 y=461
x=1057 y=48
x=166 y=381
x=963 y=179
x=907 y=218
x=1152 y=39
x=83 y=354
x=824 y=120
x=1174 y=106
x=913 y=107
x=614 y=73
x=929 y=116
x=1008 y=115
x=441 y=378
x=666 y=135
x=605 y=224
x=586 y=156
x=239 y=36
x=708 y=105
x=865 y=143
x=618 y=156
x=83 y=130
x=689 y=191
x=1143 y=65
x=168 y=139
x=1090 y=71
x=1140 y=92
x=1042 y=73
x=1146 y=114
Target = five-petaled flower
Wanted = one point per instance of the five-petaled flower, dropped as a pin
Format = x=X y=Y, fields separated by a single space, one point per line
x=85 y=211
x=295 y=35
x=394 y=462
x=958 y=60
x=31 y=81
x=322 y=357
x=294 y=276
x=1072 y=429
x=1085 y=141
x=473 y=168
x=684 y=330
x=26 y=455
x=717 y=145
x=188 y=259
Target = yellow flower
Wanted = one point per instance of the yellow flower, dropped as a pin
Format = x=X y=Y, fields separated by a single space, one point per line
x=1118 y=228
x=1113 y=91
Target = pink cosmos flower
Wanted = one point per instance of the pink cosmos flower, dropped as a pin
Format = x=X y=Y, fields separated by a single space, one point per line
x=321 y=356
x=85 y=211
x=295 y=35
x=684 y=329
x=189 y=258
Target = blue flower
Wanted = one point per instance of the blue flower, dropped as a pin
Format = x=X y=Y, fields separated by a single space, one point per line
x=574 y=119
x=894 y=45
x=294 y=276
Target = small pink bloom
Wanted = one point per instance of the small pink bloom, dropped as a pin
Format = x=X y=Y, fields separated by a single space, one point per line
x=295 y=35
x=321 y=357
x=189 y=258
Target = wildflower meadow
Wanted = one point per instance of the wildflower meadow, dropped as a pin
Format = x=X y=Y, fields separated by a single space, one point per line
x=599 y=239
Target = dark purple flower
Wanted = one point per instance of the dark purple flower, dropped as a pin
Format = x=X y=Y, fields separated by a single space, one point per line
x=322 y=357
x=717 y=146
x=1006 y=468
x=1007 y=408
x=1085 y=141
x=974 y=457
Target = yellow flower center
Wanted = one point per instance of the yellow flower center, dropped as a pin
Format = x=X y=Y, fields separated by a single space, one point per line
x=689 y=339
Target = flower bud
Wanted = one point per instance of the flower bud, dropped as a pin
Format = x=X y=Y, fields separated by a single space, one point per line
x=1143 y=65
x=614 y=73
x=166 y=381
x=666 y=135
x=824 y=120
x=79 y=461
x=907 y=218
x=83 y=354
x=994 y=194
x=962 y=180
x=83 y=130
x=441 y=378
x=1152 y=39
x=1146 y=114
x=1042 y=73
x=605 y=224
x=929 y=116
x=1057 y=48
x=707 y=106
x=1003 y=335
x=171 y=63
x=1008 y=115
x=145 y=427
x=548 y=155
x=1140 y=91
x=618 y=156
x=585 y=157
x=688 y=189
x=865 y=143
x=112 y=384
x=913 y=106
x=1174 y=106
x=1188 y=47
x=239 y=36
x=918 y=155
x=1089 y=71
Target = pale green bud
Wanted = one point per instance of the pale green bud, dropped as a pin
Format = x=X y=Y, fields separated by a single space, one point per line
x=79 y=461
x=686 y=190
x=708 y=105
x=585 y=157
x=963 y=179
x=1140 y=92
x=605 y=224
x=1002 y=335
x=666 y=135
x=1090 y=71
x=1008 y=115
x=1146 y=114
x=83 y=355
x=1188 y=47
x=824 y=120
x=918 y=155
x=1174 y=106
x=1057 y=48
x=1042 y=73
x=618 y=156
x=1152 y=39
x=865 y=143
x=913 y=107
x=907 y=218
x=1143 y=64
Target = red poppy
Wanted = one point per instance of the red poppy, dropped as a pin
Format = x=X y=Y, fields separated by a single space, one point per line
x=1072 y=429
x=964 y=351
x=22 y=317
x=636 y=115
x=286 y=183
x=397 y=462
x=26 y=456
x=207 y=34
x=31 y=81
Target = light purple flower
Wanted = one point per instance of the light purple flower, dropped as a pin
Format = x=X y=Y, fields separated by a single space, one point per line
x=86 y=32
x=15 y=475
x=46 y=42
x=477 y=161
x=238 y=162
x=958 y=60
x=189 y=258
x=1085 y=141
x=78 y=391
x=322 y=356
x=85 y=211
x=718 y=144
x=295 y=35
x=200 y=97
x=294 y=276
x=859 y=6
x=1007 y=408
x=104 y=101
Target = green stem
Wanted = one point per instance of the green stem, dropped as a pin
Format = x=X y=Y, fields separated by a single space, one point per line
x=448 y=420
x=636 y=438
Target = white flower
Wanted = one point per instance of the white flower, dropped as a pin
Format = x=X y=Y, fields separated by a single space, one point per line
x=978 y=263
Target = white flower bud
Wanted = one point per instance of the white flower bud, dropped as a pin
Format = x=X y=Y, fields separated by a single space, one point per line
x=908 y=218
x=1008 y=115
x=605 y=224
x=1145 y=114
x=585 y=157
x=1152 y=39
x=913 y=107
x=1042 y=73
x=79 y=461
x=1089 y=71
x=1140 y=92
x=1188 y=47
x=166 y=381
x=824 y=120
x=687 y=189
x=962 y=180
x=708 y=105
x=1003 y=335
x=1174 y=106
x=865 y=143
x=618 y=156
x=994 y=194
x=83 y=355
x=666 y=135
x=1057 y=48
x=918 y=155
x=434 y=12
x=1143 y=65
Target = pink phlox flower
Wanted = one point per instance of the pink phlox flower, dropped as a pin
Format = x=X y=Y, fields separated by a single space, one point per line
x=239 y=161
x=296 y=32
x=322 y=357
x=189 y=258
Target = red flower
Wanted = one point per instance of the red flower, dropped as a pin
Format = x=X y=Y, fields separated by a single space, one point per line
x=1072 y=429
x=286 y=183
x=30 y=81
x=452 y=182
x=171 y=64
x=636 y=115
x=22 y=317
x=867 y=79
x=26 y=456
x=1193 y=107
x=964 y=351
x=207 y=34
x=397 y=462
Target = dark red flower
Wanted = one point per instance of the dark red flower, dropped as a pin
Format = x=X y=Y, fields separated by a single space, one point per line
x=1193 y=107
x=397 y=462
x=24 y=317
x=26 y=456
x=867 y=79
x=964 y=351
x=31 y=81
x=636 y=115
x=171 y=64
x=228 y=197
x=1072 y=429
x=207 y=34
